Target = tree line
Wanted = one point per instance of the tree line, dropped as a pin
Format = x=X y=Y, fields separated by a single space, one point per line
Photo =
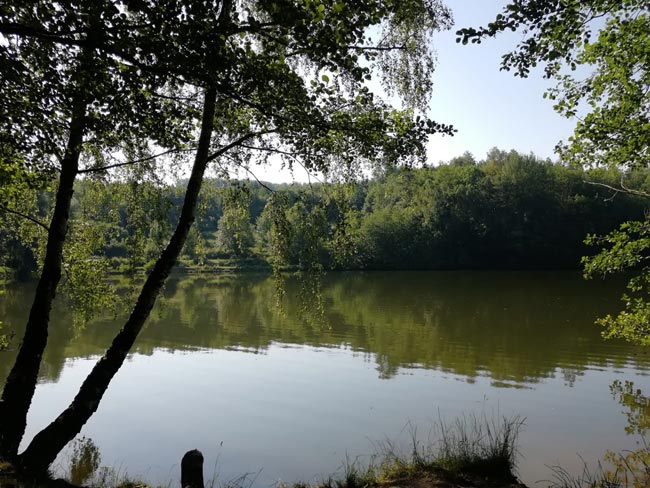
x=507 y=211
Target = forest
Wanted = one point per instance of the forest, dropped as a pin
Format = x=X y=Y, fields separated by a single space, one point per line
x=508 y=211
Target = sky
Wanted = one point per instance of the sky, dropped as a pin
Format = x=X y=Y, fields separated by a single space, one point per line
x=489 y=108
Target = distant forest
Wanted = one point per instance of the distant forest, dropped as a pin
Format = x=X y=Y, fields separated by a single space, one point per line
x=509 y=211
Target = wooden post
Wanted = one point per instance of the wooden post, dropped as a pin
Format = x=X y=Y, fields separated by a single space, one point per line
x=192 y=469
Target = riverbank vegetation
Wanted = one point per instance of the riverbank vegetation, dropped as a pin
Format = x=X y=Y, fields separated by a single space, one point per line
x=473 y=451
x=617 y=470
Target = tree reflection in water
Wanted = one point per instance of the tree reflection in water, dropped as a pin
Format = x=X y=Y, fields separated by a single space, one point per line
x=84 y=461
x=630 y=468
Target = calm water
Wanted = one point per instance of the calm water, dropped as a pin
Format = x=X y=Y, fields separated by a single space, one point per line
x=286 y=396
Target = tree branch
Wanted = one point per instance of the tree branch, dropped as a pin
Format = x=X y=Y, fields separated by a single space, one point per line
x=135 y=161
x=249 y=171
x=378 y=48
x=29 y=31
x=269 y=149
x=25 y=216
x=622 y=189
x=237 y=142
x=288 y=154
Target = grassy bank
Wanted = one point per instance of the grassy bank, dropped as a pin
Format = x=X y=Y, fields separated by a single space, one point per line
x=225 y=265
x=471 y=452
x=213 y=266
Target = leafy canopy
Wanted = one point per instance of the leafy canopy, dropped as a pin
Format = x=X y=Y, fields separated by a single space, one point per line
x=291 y=80
x=104 y=89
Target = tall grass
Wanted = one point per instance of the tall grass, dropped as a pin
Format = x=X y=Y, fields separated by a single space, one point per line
x=587 y=479
x=480 y=445
x=470 y=447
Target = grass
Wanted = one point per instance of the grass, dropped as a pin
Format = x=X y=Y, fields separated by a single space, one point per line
x=472 y=448
x=481 y=446
x=471 y=451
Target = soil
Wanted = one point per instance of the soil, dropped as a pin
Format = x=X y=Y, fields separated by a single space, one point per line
x=437 y=481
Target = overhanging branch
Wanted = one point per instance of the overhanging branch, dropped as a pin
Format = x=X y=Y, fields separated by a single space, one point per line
x=237 y=142
x=288 y=154
x=135 y=161
x=250 y=172
x=25 y=216
x=622 y=189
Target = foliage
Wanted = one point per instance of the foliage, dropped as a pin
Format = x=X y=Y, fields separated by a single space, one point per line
x=619 y=469
x=623 y=250
x=85 y=460
x=610 y=98
x=509 y=210
x=627 y=469
x=5 y=339
x=512 y=212
x=630 y=468
x=610 y=42
x=119 y=91
x=149 y=67
x=235 y=230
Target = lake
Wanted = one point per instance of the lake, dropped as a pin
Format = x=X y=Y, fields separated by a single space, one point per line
x=289 y=394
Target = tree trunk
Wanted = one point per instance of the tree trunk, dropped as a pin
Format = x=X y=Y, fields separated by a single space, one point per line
x=21 y=382
x=44 y=448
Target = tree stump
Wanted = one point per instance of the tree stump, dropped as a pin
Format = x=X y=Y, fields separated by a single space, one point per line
x=192 y=469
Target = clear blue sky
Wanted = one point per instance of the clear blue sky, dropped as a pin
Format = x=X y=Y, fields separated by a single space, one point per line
x=489 y=107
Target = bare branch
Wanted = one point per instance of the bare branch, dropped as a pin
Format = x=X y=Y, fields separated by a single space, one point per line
x=237 y=142
x=249 y=171
x=634 y=192
x=622 y=189
x=291 y=155
x=135 y=161
x=24 y=216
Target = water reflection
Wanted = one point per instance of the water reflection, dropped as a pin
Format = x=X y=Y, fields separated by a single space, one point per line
x=516 y=328
x=637 y=406
x=630 y=467
x=84 y=461
x=218 y=362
